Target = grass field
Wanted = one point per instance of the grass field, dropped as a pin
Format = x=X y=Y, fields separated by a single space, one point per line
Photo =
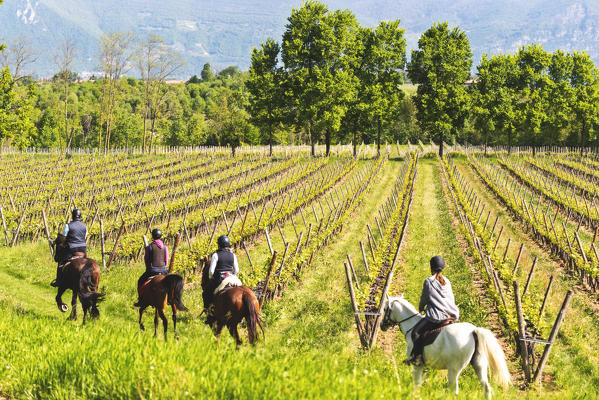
x=310 y=347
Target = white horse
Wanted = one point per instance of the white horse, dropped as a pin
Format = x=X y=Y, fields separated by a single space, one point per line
x=455 y=347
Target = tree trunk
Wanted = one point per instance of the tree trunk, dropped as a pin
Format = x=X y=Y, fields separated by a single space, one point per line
x=270 y=142
x=442 y=139
x=582 y=137
x=378 y=138
x=509 y=143
x=312 y=149
x=66 y=112
x=233 y=150
x=143 y=140
x=327 y=138
x=355 y=146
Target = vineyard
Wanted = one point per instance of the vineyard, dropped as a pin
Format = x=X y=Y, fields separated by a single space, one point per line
x=321 y=241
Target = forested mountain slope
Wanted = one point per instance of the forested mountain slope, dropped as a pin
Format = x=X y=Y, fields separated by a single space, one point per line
x=224 y=32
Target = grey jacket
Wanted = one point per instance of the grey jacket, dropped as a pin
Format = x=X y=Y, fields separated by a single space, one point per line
x=438 y=300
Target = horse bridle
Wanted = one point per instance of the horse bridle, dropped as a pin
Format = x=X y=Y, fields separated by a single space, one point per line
x=388 y=321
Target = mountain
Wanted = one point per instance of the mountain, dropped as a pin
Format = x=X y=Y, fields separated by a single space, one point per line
x=224 y=32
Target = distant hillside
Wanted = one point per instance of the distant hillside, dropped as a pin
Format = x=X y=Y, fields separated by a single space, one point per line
x=224 y=32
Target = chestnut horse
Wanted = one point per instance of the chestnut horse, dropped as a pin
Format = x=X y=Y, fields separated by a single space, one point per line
x=231 y=306
x=82 y=276
x=158 y=292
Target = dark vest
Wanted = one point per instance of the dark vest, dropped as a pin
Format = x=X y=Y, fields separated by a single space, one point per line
x=76 y=235
x=225 y=262
x=157 y=256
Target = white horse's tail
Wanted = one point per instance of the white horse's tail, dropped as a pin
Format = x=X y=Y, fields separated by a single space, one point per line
x=489 y=347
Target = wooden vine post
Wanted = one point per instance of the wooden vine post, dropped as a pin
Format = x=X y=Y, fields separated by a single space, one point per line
x=171 y=262
x=267 y=279
x=116 y=243
x=102 y=244
x=354 y=304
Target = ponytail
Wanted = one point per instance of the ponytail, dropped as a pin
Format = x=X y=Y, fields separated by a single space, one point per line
x=439 y=277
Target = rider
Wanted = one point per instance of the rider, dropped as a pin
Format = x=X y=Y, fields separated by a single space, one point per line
x=156 y=259
x=223 y=263
x=76 y=233
x=438 y=301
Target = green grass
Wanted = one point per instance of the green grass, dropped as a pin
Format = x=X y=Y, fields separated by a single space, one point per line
x=310 y=348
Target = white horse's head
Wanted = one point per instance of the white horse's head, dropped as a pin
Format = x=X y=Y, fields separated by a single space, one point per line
x=397 y=310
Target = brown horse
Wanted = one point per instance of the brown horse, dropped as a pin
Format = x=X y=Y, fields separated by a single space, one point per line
x=231 y=306
x=82 y=276
x=158 y=292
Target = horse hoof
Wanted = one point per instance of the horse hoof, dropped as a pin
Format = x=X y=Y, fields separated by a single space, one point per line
x=64 y=308
x=142 y=328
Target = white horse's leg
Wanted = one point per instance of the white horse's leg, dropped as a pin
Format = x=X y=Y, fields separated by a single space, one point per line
x=481 y=366
x=453 y=373
x=418 y=375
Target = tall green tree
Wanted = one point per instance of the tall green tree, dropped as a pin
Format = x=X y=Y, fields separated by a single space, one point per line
x=64 y=58
x=584 y=80
x=532 y=83
x=440 y=67
x=115 y=56
x=386 y=58
x=264 y=84
x=16 y=110
x=494 y=99
x=316 y=53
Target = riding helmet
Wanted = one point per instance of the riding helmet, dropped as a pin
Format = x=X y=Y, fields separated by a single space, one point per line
x=156 y=233
x=437 y=264
x=223 y=242
x=76 y=214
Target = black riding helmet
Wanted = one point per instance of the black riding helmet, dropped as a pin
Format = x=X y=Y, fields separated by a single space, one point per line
x=437 y=264
x=156 y=233
x=76 y=214
x=223 y=242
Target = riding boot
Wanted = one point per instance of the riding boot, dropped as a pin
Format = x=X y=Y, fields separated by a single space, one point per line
x=209 y=315
x=56 y=282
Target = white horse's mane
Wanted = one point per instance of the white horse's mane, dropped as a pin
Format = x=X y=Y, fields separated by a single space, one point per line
x=404 y=302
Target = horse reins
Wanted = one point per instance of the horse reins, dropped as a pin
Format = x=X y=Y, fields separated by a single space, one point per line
x=387 y=317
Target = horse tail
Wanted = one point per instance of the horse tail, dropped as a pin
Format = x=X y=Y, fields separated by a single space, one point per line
x=489 y=347
x=173 y=283
x=252 y=318
x=87 y=285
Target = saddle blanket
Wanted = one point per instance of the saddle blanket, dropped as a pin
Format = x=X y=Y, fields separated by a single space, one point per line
x=429 y=336
x=143 y=286
x=229 y=281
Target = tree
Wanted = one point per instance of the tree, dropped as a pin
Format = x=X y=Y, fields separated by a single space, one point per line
x=316 y=53
x=207 y=74
x=63 y=58
x=156 y=63
x=385 y=59
x=228 y=124
x=264 y=85
x=584 y=80
x=18 y=56
x=440 y=67
x=532 y=83
x=114 y=59
x=15 y=112
x=494 y=98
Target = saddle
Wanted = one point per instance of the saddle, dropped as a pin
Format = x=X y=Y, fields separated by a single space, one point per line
x=143 y=285
x=229 y=282
x=428 y=337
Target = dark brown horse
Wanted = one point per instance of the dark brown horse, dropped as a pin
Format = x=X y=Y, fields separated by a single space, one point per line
x=157 y=293
x=82 y=276
x=231 y=306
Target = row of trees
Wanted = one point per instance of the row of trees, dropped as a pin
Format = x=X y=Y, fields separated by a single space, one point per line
x=329 y=80
x=330 y=77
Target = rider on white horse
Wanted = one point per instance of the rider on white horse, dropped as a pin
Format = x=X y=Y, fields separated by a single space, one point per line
x=438 y=302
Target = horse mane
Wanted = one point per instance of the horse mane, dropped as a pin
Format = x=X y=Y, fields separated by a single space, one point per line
x=405 y=302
